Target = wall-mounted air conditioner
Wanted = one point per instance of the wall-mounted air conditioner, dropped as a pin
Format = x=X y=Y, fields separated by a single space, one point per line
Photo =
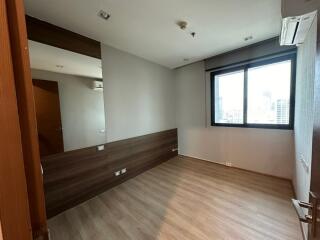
x=97 y=85
x=295 y=29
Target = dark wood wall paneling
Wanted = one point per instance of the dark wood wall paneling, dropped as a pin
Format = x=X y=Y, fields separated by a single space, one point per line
x=52 y=35
x=73 y=177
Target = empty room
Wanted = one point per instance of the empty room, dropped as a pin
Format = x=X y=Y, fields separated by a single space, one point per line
x=159 y=120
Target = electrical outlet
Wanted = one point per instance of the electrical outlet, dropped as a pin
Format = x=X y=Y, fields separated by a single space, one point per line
x=100 y=148
x=117 y=173
x=123 y=171
x=228 y=164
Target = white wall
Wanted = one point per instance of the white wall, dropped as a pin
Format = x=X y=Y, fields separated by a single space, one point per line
x=304 y=113
x=261 y=150
x=82 y=110
x=139 y=95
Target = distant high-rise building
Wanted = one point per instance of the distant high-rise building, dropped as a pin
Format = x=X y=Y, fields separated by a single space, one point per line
x=282 y=111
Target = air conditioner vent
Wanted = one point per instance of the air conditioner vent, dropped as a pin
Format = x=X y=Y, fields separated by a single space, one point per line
x=295 y=29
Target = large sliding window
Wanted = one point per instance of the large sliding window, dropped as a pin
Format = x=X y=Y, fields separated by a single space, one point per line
x=259 y=94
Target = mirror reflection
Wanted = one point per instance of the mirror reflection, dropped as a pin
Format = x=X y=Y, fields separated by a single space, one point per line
x=68 y=95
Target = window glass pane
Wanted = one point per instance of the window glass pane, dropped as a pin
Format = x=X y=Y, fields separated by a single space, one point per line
x=229 y=97
x=269 y=93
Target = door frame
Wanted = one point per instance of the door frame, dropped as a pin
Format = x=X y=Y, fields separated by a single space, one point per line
x=22 y=115
x=14 y=207
x=42 y=84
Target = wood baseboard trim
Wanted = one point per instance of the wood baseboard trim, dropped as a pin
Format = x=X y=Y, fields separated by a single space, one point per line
x=241 y=169
x=293 y=189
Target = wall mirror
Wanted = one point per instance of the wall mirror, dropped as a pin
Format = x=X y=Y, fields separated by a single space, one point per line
x=68 y=94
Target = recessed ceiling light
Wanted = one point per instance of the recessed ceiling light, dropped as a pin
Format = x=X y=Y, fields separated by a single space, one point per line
x=104 y=15
x=248 y=38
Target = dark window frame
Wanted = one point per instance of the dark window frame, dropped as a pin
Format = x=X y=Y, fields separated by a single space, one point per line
x=245 y=67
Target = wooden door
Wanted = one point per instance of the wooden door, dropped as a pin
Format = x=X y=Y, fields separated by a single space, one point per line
x=14 y=207
x=46 y=96
x=314 y=234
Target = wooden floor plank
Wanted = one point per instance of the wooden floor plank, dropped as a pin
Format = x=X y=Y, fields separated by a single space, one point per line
x=185 y=198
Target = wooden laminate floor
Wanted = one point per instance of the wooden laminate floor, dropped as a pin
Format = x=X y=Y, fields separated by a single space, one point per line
x=182 y=199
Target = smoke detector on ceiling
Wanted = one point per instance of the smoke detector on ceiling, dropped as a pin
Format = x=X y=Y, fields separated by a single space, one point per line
x=182 y=24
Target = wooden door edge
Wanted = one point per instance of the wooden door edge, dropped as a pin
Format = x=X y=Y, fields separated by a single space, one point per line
x=27 y=118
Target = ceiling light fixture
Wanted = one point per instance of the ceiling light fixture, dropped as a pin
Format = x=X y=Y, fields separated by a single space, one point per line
x=104 y=15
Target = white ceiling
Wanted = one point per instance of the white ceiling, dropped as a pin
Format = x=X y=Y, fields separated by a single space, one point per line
x=147 y=28
x=45 y=57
